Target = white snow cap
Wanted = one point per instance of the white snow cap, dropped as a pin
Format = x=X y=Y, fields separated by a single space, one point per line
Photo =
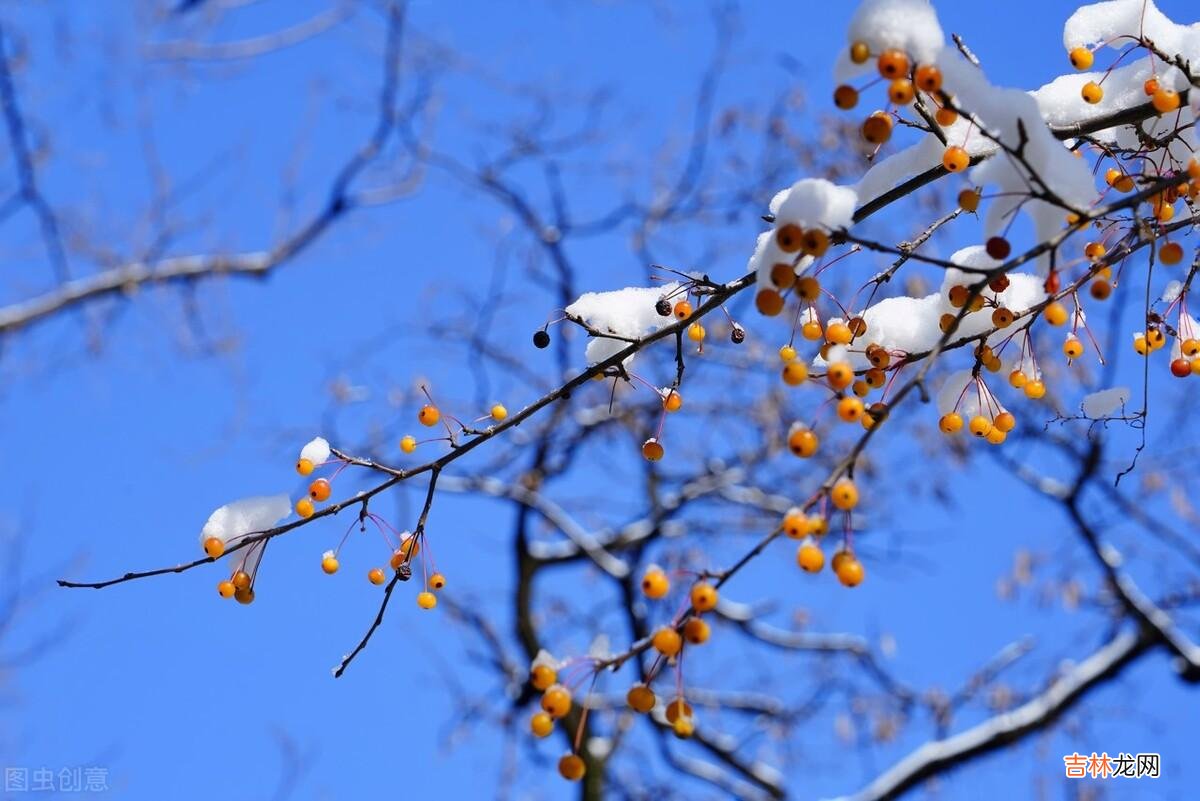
x=316 y=451
x=544 y=657
x=815 y=202
x=628 y=313
x=908 y=25
x=243 y=517
x=1105 y=402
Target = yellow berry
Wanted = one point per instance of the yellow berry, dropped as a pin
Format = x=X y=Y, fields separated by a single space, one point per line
x=1034 y=389
x=408 y=443
x=859 y=52
x=499 y=412
x=839 y=375
x=426 y=600
x=696 y=332
x=787 y=353
x=1004 y=422
x=812 y=331
x=683 y=728
x=839 y=333
x=304 y=467
x=329 y=563
x=1017 y=378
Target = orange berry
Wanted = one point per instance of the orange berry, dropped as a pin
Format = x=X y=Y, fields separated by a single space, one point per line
x=541 y=724
x=304 y=507
x=1100 y=289
x=1081 y=59
x=955 y=159
x=795 y=373
x=859 y=52
x=996 y=436
x=1170 y=253
x=241 y=580
x=226 y=589
x=409 y=548
x=498 y=412
x=1002 y=318
x=640 y=698
x=408 y=443
x=968 y=200
x=652 y=450
x=1150 y=86
x=1034 y=389
x=682 y=310
x=320 y=490
x=1094 y=251
x=795 y=524
x=788 y=237
x=839 y=375
x=1017 y=378
x=678 y=709
x=803 y=442
x=892 y=64
x=844 y=494
x=808 y=288
x=1055 y=313
x=376 y=576
x=672 y=401
x=901 y=92
x=810 y=558
x=1190 y=347
x=1165 y=100
x=696 y=631
x=655 y=584
x=214 y=547
x=437 y=581
x=950 y=423
x=1073 y=348
x=571 y=768
x=945 y=117
x=928 y=78
x=542 y=677
x=329 y=563
x=703 y=596
x=768 y=302
x=845 y=97
x=850 y=409
x=667 y=641
x=849 y=571
x=814 y=242
x=304 y=466
x=812 y=331
x=877 y=128
x=839 y=333
x=245 y=596
x=1004 y=422
x=426 y=600
x=1091 y=92
x=783 y=275
x=429 y=415
x=979 y=426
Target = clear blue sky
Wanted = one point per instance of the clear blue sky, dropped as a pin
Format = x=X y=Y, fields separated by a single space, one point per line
x=114 y=460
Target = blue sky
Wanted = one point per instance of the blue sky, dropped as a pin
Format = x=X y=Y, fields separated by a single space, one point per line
x=116 y=458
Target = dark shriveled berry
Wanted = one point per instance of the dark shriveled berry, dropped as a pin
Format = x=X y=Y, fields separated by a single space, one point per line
x=738 y=335
x=663 y=307
x=541 y=339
